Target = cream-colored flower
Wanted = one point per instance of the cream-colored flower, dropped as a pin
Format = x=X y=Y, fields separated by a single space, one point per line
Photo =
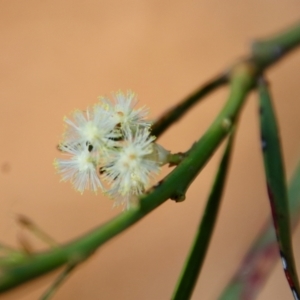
x=123 y=112
x=112 y=137
x=93 y=127
x=131 y=167
x=80 y=167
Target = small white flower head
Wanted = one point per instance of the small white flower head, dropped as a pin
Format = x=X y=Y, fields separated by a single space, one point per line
x=123 y=111
x=80 y=167
x=130 y=168
x=114 y=138
x=94 y=127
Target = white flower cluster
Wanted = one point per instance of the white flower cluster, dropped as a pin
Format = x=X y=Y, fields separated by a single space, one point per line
x=110 y=147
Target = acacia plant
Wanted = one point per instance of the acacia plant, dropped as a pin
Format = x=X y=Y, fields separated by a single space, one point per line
x=112 y=146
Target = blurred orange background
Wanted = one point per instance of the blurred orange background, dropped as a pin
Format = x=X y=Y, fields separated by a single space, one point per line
x=60 y=55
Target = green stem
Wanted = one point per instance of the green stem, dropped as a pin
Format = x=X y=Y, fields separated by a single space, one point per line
x=58 y=282
x=263 y=253
x=175 y=113
x=276 y=186
x=266 y=52
x=193 y=265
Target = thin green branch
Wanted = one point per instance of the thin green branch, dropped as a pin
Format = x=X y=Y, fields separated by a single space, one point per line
x=194 y=262
x=175 y=113
x=266 y=52
x=241 y=82
x=58 y=282
x=276 y=186
x=263 y=253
